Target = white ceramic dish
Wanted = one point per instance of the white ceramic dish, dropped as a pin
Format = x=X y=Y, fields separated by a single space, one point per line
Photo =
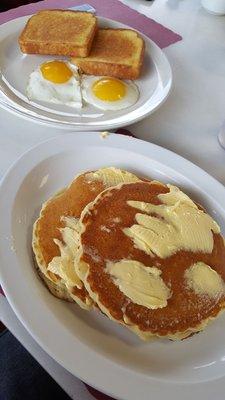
x=100 y=352
x=154 y=85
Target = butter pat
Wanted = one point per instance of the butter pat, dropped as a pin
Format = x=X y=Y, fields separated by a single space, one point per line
x=175 y=195
x=180 y=226
x=63 y=265
x=104 y=134
x=112 y=176
x=143 y=285
x=201 y=278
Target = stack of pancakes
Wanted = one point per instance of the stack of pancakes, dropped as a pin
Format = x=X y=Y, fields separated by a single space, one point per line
x=140 y=251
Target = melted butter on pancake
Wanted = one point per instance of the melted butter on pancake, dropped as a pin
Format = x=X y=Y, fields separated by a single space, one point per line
x=204 y=280
x=63 y=265
x=180 y=226
x=112 y=176
x=143 y=285
x=175 y=195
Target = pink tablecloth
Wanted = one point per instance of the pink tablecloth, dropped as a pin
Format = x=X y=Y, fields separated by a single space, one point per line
x=113 y=9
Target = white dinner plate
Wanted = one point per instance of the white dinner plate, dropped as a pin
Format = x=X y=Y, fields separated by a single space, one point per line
x=154 y=85
x=95 y=349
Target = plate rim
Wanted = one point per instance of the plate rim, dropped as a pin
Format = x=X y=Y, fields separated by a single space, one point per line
x=140 y=147
x=21 y=111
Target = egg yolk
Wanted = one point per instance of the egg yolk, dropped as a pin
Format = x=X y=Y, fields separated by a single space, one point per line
x=56 y=71
x=109 y=89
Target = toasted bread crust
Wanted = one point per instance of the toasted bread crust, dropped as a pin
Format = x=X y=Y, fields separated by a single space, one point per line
x=48 y=32
x=115 y=52
x=108 y=69
x=62 y=49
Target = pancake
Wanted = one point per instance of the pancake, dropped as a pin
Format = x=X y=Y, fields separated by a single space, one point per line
x=59 y=291
x=152 y=260
x=56 y=232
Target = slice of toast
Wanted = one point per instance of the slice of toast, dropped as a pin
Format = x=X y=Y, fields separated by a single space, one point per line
x=114 y=52
x=59 y=32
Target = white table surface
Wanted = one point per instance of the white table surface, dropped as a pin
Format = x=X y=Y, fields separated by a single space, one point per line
x=188 y=122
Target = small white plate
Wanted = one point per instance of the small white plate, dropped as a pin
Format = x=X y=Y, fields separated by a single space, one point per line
x=154 y=85
x=95 y=349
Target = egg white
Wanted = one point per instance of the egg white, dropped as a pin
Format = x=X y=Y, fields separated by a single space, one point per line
x=68 y=93
x=130 y=98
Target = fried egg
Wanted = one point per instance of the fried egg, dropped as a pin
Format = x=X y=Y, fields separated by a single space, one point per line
x=55 y=81
x=109 y=93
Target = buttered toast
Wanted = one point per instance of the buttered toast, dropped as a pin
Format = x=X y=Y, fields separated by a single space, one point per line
x=59 y=32
x=114 y=52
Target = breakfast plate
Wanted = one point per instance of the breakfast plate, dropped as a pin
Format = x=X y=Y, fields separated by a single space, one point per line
x=95 y=349
x=154 y=85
